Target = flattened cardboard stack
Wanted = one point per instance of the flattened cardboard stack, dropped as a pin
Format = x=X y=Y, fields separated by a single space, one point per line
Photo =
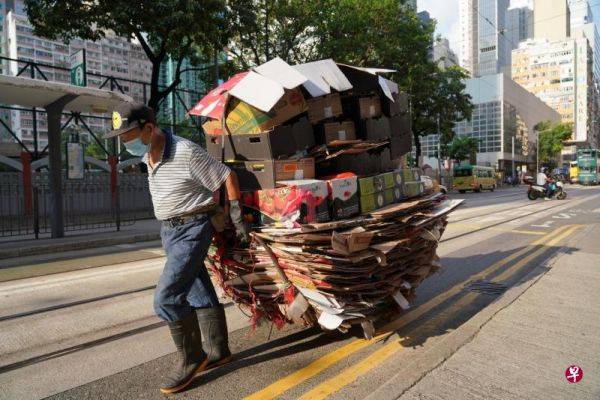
x=345 y=272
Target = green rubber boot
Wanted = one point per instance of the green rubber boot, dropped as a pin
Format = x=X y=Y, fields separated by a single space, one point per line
x=192 y=359
x=214 y=335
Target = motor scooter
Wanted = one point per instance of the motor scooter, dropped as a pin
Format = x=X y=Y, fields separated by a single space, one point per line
x=539 y=192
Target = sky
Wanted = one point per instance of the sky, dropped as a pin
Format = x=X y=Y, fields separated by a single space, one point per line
x=446 y=14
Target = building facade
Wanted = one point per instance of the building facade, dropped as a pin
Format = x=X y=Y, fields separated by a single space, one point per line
x=489 y=31
x=443 y=55
x=560 y=73
x=519 y=22
x=580 y=13
x=468 y=18
x=551 y=20
x=503 y=110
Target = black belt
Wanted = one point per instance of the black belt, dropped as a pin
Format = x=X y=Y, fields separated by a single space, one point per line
x=176 y=221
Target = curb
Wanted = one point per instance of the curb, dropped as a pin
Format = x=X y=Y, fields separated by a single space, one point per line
x=32 y=249
x=399 y=384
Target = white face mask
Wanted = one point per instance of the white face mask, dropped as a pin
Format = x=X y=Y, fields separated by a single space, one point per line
x=136 y=147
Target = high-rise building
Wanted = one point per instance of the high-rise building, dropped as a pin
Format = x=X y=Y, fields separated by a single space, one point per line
x=486 y=42
x=519 y=21
x=580 y=13
x=560 y=73
x=443 y=54
x=551 y=20
x=468 y=21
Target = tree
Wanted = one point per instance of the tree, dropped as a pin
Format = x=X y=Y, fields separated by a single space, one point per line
x=463 y=148
x=438 y=102
x=265 y=29
x=551 y=137
x=164 y=28
x=380 y=33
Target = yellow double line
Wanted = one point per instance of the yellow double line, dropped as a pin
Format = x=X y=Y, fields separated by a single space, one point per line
x=351 y=373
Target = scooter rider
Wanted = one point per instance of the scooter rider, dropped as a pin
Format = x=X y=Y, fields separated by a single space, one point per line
x=545 y=181
x=182 y=179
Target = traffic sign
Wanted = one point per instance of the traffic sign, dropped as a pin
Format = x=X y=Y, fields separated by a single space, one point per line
x=78 y=68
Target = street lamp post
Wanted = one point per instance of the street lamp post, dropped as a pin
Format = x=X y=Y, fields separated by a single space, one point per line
x=513 y=157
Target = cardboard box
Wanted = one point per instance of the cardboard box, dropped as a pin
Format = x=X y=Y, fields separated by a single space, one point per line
x=303 y=133
x=324 y=107
x=376 y=129
x=246 y=119
x=360 y=164
x=351 y=241
x=398 y=194
x=373 y=201
x=283 y=204
x=400 y=145
x=413 y=189
x=279 y=142
x=400 y=125
x=257 y=175
x=366 y=185
x=386 y=180
x=369 y=107
x=314 y=198
x=343 y=197
x=339 y=131
x=398 y=106
x=398 y=178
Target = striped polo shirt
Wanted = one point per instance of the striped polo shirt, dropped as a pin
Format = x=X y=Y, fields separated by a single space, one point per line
x=184 y=179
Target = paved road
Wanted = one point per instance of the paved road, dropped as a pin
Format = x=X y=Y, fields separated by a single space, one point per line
x=105 y=342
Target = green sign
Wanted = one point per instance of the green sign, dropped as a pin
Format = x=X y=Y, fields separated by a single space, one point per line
x=78 y=73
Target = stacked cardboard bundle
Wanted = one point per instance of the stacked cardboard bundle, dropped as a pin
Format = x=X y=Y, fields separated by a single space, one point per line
x=343 y=232
x=342 y=272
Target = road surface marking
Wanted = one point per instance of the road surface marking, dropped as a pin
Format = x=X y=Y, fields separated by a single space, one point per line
x=544 y=225
x=514 y=268
x=526 y=232
x=561 y=216
x=326 y=361
x=350 y=374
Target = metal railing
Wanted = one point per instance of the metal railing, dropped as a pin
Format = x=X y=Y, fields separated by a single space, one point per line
x=87 y=203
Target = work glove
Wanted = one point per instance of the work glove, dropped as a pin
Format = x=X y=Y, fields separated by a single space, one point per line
x=241 y=228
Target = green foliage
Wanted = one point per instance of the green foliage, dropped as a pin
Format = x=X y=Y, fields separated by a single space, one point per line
x=551 y=138
x=164 y=28
x=462 y=148
x=439 y=93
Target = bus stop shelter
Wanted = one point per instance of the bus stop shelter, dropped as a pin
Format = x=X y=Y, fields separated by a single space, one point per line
x=57 y=98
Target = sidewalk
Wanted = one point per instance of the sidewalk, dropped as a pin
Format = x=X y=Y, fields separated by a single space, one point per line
x=524 y=350
x=140 y=231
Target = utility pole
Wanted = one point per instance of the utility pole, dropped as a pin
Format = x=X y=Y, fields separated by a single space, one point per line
x=439 y=150
x=537 y=152
x=513 y=157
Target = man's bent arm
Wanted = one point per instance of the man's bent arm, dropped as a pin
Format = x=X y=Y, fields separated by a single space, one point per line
x=232 y=186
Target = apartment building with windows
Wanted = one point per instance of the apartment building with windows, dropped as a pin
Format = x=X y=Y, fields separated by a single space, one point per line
x=560 y=73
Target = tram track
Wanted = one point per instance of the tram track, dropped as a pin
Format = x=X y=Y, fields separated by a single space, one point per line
x=498 y=223
x=74 y=303
x=152 y=287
